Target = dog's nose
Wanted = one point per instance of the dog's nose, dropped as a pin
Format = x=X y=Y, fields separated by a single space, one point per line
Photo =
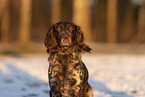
x=66 y=36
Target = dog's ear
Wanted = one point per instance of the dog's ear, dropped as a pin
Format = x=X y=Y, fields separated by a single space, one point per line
x=80 y=40
x=50 y=40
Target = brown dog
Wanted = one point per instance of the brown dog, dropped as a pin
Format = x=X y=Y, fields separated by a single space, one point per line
x=68 y=76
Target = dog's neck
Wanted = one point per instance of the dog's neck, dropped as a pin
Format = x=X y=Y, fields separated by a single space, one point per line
x=65 y=55
x=67 y=50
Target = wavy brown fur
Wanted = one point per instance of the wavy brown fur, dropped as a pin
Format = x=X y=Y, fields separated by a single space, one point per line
x=68 y=75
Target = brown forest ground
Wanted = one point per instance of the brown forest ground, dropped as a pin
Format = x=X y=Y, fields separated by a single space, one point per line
x=96 y=48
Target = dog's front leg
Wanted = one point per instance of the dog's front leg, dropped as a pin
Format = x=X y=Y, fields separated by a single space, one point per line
x=54 y=80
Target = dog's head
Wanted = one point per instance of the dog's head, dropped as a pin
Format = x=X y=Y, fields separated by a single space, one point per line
x=64 y=34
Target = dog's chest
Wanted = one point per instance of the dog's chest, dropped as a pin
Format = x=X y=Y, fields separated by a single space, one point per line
x=66 y=65
x=68 y=69
x=65 y=60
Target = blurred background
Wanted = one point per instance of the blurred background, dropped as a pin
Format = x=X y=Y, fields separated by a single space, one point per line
x=114 y=29
x=24 y=23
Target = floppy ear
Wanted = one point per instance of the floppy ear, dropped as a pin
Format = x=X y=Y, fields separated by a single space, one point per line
x=50 y=41
x=80 y=40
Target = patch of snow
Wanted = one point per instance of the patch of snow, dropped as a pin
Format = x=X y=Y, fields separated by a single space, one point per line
x=110 y=75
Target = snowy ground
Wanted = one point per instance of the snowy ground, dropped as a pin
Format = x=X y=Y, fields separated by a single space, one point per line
x=116 y=75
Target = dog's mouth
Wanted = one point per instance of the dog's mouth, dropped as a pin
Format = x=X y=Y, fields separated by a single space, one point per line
x=65 y=40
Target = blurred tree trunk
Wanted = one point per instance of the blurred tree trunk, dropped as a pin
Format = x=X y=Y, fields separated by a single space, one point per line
x=2 y=6
x=40 y=19
x=127 y=21
x=15 y=6
x=25 y=23
x=141 y=22
x=55 y=11
x=67 y=12
x=99 y=20
x=5 y=20
x=140 y=36
x=112 y=21
x=81 y=17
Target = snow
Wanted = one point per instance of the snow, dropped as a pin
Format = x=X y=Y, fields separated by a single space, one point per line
x=110 y=75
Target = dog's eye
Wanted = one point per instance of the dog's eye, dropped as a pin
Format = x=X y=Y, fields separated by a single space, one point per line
x=60 y=28
x=70 y=28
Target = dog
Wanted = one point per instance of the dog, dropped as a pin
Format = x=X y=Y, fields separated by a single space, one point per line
x=68 y=75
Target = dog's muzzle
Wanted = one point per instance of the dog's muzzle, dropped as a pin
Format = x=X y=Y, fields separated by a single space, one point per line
x=65 y=40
